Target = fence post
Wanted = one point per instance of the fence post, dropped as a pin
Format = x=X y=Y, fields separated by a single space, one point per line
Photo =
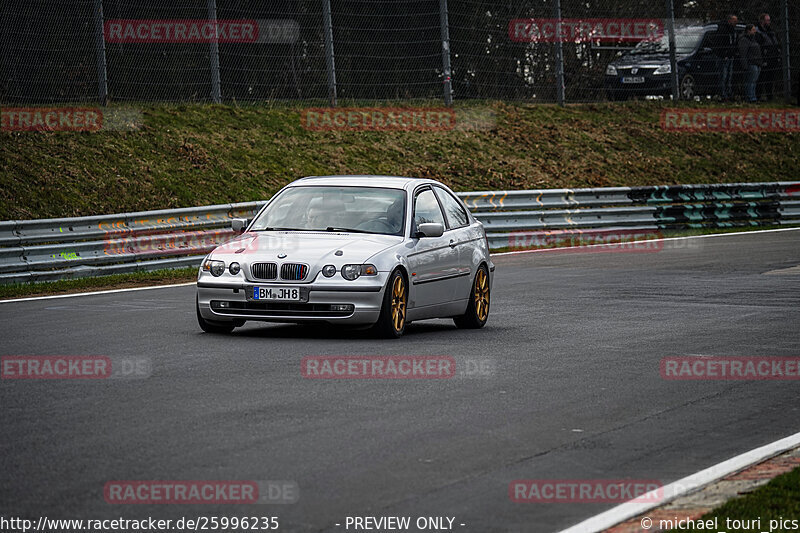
x=559 y=56
x=673 y=59
x=100 y=45
x=216 y=85
x=787 y=68
x=446 y=71
x=329 y=57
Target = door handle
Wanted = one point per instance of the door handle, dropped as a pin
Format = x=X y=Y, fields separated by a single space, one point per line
x=453 y=243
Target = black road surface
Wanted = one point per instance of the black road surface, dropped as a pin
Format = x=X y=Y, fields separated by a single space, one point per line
x=573 y=392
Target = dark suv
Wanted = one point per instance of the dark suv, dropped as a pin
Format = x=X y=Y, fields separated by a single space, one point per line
x=645 y=70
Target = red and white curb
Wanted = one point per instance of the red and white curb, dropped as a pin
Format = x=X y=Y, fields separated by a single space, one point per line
x=697 y=494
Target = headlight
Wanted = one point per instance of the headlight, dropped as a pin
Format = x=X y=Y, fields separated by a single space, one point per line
x=234 y=268
x=215 y=267
x=611 y=70
x=663 y=69
x=328 y=270
x=351 y=272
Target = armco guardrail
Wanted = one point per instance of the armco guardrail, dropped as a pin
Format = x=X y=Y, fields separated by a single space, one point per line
x=57 y=248
x=506 y=214
x=40 y=250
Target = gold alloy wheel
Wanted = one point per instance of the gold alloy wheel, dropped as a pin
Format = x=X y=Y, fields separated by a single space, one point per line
x=398 y=303
x=482 y=295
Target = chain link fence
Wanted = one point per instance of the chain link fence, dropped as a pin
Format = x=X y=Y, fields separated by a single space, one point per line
x=333 y=50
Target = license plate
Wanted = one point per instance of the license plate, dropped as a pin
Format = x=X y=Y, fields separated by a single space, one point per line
x=276 y=294
x=633 y=79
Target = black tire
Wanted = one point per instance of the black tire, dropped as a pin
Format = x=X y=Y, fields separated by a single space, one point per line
x=479 y=302
x=213 y=327
x=392 y=322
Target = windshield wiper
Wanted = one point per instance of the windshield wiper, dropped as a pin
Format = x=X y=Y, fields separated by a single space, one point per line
x=347 y=230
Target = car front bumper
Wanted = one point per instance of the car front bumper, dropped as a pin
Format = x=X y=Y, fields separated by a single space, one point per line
x=222 y=300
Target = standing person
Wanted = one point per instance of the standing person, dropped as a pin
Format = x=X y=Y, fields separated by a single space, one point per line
x=771 y=52
x=752 y=61
x=725 y=50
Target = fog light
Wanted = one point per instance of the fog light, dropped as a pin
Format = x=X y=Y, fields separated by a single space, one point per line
x=342 y=307
x=328 y=270
x=224 y=304
x=234 y=268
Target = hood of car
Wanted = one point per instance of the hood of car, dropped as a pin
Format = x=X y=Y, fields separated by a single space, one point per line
x=315 y=249
x=641 y=60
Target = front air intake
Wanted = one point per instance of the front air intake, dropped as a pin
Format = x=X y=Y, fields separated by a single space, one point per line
x=294 y=271
x=264 y=270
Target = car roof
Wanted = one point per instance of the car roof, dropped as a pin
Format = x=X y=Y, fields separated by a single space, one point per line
x=397 y=182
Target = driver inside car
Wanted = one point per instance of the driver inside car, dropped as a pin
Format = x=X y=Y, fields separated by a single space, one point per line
x=394 y=215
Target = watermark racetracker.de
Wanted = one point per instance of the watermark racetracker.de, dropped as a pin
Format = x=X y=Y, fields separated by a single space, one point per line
x=74 y=367
x=397 y=119
x=584 y=490
x=244 y=31
x=730 y=120
x=379 y=119
x=69 y=119
x=157 y=243
x=199 y=492
x=572 y=30
x=717 y=368
x=396 y=367
x=378 y=367
x=617 y=240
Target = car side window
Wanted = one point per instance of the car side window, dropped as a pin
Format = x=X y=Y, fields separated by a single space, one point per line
x=453 y=209
x=426 y=209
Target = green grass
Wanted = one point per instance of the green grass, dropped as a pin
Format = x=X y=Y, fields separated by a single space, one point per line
x=197 y=154
x=114 y=281
x=778 y=499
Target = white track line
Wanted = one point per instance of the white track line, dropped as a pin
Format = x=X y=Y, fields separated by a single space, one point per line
x=498 y=254
x=545 y=250
x=111 y=291
x=688 y=484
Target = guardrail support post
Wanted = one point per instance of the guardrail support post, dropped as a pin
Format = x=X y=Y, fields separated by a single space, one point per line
x=100 y=45
x=329 y=57
x=216 y=84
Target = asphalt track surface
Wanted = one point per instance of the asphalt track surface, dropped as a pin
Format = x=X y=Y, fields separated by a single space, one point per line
x=575 y=393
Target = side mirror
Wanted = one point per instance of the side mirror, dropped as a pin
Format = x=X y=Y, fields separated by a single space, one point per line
x=238 y=225
x=430 y=229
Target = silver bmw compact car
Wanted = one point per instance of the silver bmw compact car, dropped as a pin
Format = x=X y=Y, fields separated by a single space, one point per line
x=358 y=250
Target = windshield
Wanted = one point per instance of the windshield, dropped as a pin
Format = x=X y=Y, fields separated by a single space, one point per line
x=685 y=43
x=334 y=208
